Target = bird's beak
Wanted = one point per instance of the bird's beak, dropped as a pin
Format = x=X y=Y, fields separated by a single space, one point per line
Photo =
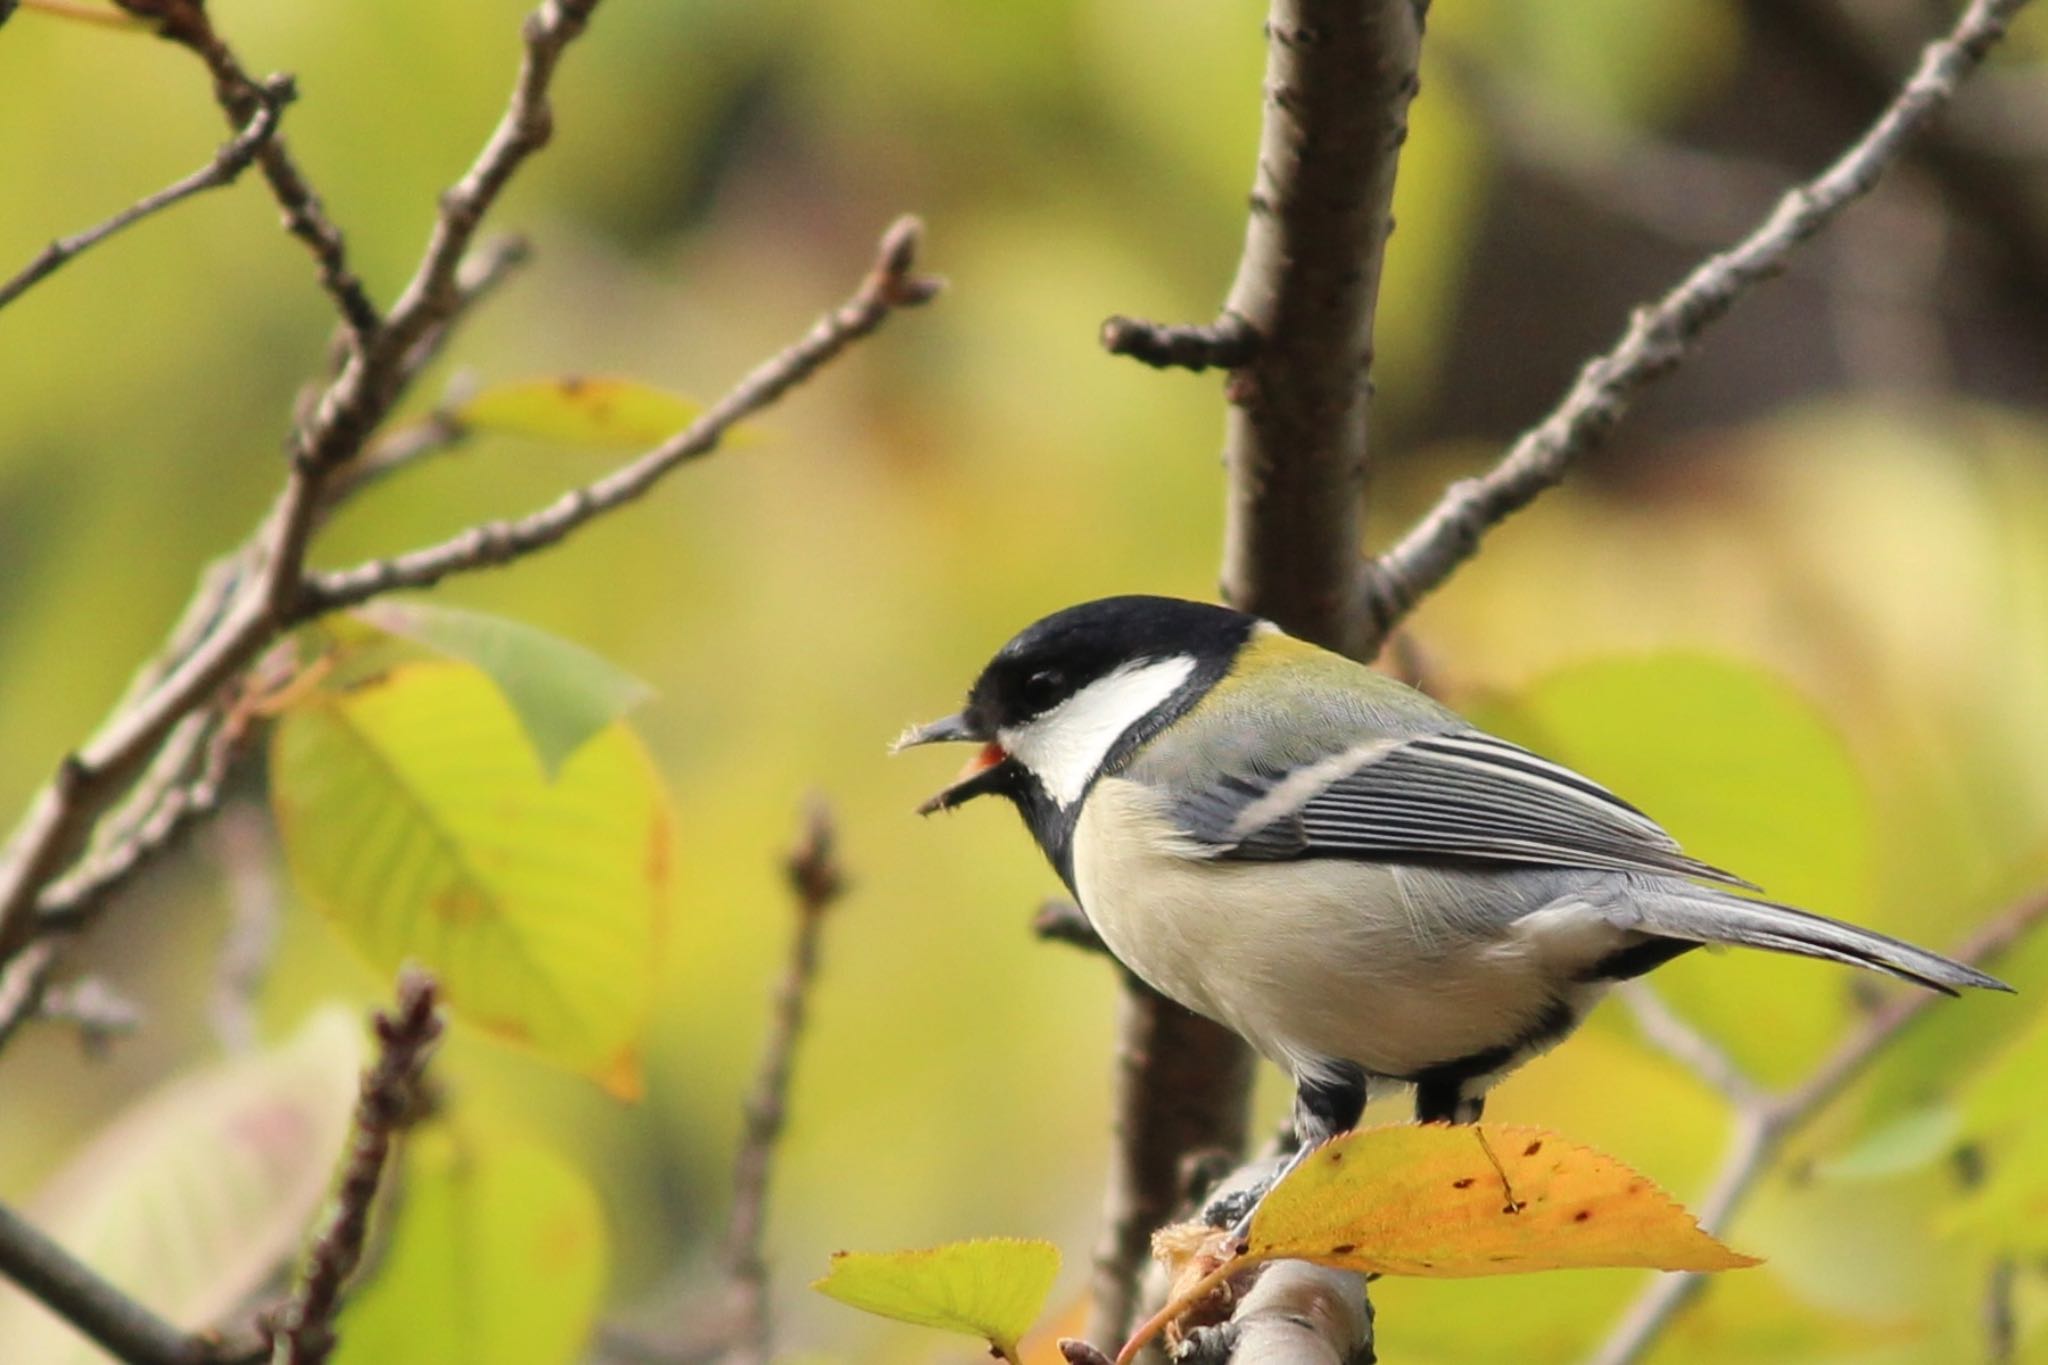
x=986 y=772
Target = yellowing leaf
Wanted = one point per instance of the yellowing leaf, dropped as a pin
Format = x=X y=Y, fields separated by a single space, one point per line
x=194 y=1196
x=497 y=1255
x=416 y=817
x=1457 y=1200
x=993 y=1288
x=602 y=412
x=561 y=692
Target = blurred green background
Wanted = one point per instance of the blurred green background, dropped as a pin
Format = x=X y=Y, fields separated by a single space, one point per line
x=1799 y=609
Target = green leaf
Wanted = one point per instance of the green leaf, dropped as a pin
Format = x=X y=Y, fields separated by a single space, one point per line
x=993 y=1288
x=561 y=692
x=416 y=818
x=606 y=413
x=194 y=1196
x=1746 y=774
x=496 y=1255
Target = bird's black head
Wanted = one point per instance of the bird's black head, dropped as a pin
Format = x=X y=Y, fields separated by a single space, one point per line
x=1074 y=694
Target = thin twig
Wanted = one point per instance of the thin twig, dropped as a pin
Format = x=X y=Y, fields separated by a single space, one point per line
x=266 y=577
x=1666 y=1030
x=1062 y=921
x=1765 y=1121
x=1340 y=75
x=70 y=902
x=388 y=1104
x=187 y=23
x=78 y=1294
x=1660 y=335
x=817 y=882
x=1844 y=57
x=1223 y=344
x=227 y=165
x=891 y=285
x=22 y=983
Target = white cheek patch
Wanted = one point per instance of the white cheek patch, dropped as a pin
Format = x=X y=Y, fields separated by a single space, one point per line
x=1064 y=747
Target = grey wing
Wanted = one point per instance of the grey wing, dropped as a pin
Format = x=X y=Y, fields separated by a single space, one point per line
x=1460 y=796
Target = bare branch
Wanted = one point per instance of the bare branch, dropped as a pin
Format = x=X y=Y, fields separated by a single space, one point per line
x=891 y=285
x=228 y=163
x=186 y=23
x=22 y=982
x=260 y=586
x=1223 y=344
x=77 y=1293
x=525 y=127
x=1060 y=921
x=1339 y=78
x=70 y=902
x=1660 y=335
x=1295 y=1313
x=817 y=881
x=1764 y=1122
x=2004 y=201
x=389 y=1103
x=1679 y=1040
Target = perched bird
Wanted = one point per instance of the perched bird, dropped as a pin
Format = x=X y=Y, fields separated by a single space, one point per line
x=1366 y=888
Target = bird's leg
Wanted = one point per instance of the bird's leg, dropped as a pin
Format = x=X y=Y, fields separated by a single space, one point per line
x=1442 y=1099
x=1324 y=1106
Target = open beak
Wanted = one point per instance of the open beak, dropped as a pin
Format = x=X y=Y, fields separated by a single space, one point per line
x=986 y=772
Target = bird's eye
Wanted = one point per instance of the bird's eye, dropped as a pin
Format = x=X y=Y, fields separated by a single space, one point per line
x=1043 y=688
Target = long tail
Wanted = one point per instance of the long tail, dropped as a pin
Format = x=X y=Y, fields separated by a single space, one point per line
x=1696 y=914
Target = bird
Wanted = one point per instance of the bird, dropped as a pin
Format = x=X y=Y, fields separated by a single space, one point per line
x=1368 y=889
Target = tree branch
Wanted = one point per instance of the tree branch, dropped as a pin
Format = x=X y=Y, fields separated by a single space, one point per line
x=389 y=1104
x=1764 y=1121
x=818 y=882
x=1660 y=335
x=1339 y=78
x=891 y=285
x=1225 y=343
x=185 y=22
x=2002 y=199
x=227 y=165
x=75 y=1292
x=262 y=583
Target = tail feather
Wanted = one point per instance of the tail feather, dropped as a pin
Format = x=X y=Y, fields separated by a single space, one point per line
x=1699 y=915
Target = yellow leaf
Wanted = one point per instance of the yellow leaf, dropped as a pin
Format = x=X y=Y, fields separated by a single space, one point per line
x=1446 y=1200
x=992 y=1288
x=418 y=820
x=578 y=410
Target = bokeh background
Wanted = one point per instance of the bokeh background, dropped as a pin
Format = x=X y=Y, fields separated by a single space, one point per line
x=1798 y=608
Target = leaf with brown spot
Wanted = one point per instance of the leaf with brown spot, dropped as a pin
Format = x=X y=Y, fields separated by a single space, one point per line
x=1448 y=1201
x=600 y=412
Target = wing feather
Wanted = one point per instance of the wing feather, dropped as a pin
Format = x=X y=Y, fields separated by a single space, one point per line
x=1461 y=796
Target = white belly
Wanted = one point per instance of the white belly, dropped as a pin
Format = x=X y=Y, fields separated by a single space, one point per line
x=1322 y=958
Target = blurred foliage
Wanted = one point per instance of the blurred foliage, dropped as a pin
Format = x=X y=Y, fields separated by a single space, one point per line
x=192 y=1196
x=1814 y=641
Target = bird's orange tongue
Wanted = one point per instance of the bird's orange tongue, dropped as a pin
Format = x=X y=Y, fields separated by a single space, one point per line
x=963 y=787
x=990 y=755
